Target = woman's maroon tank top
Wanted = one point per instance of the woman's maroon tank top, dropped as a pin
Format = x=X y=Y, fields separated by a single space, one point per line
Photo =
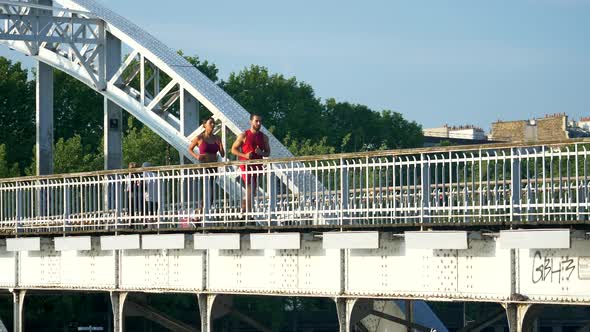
x=208 y=148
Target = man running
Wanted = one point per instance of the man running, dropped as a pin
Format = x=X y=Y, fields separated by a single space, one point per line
x=249 y=145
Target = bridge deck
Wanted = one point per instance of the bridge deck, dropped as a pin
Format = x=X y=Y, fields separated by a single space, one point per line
x=481 y=186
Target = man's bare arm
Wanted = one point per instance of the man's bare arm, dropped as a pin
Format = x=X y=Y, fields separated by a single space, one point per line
x=266 y=151
x=235 y=148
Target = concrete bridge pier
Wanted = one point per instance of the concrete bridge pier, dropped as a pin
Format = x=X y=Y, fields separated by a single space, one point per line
x=521 y=317
x=351 y=311
x=214 y=306
x=113 y=113
x=205 y=301
x=117 y=304
x=44 y=118
x=18 y=300
x=376 y=315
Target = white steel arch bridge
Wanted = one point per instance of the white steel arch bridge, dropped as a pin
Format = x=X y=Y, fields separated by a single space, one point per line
x=85 y=40
x=417 y=224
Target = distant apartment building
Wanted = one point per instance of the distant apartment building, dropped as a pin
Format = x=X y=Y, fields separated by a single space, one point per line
x=553 y=127
x=467 y=134
x=583 y=124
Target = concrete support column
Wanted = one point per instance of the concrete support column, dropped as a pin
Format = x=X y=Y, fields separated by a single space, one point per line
x=189 y=117
x=344 y=309
x=409 y=311
x=205 y=305
x=518 y=320
x=44 y=117
x=117 y=304
x=113 y=114
x=214 y=306
x=18 y=304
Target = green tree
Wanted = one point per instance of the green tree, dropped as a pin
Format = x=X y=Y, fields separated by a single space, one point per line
x=17 y=112
x=70 y=156
x=399 y=133
x=307 y=147
x=140 y=144
x=358 y=121
x=78 y=110
x=355 y=127
x=7 y=171
x=208 y=68
x=286 y=105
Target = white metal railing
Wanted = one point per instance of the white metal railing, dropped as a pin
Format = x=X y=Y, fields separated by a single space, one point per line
x=458 y=185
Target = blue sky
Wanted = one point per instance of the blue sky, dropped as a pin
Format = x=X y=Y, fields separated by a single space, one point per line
x=436 y=62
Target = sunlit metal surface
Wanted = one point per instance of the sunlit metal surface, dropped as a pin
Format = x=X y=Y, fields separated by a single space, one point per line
x=538 y=183
x=147 y=84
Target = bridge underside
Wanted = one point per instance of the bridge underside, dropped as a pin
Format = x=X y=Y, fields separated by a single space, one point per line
x=510 y=268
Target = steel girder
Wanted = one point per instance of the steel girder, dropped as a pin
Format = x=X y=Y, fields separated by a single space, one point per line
x=73 y=41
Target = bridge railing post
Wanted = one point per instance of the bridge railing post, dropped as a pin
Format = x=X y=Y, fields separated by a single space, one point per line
x=272 y=192
x=66 y=203
x=18 y=205
x=425 y=188
x=112 y=198
x=515 y=184
x=159 y=200
x=581 y=183
x=206 y=195
x=393 y=190
x=344 y=190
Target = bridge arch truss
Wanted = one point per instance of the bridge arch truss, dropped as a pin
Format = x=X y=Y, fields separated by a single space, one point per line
x=85 y=40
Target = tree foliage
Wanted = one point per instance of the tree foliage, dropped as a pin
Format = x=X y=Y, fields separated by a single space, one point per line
x=286 y=106
x=290 y=109
x=78 y=110
x=17 y=112
x=302 y=122
x=7 y=170
x=308 y=147
x=204 y=66
x=140 y=144
x=69 y=155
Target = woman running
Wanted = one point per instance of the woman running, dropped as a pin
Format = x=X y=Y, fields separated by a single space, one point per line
x=209 y=146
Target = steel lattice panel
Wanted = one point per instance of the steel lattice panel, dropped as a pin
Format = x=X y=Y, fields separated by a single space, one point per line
x=392 y=270
x=484 y=270
x=40 y=268
x=7 y=266
x=95 y=268
x=85 y=269
x=310 y=270
x=162 y=269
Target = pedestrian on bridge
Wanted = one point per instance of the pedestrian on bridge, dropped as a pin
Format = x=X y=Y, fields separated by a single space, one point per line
x=135 y=193
x=210 y=145
x=252 y=144
x=150 y=192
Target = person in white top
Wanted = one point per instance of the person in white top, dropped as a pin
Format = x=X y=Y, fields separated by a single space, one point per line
x=150 y=188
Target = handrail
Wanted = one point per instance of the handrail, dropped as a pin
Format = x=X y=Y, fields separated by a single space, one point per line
x=514 y=183
x=347 y=155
